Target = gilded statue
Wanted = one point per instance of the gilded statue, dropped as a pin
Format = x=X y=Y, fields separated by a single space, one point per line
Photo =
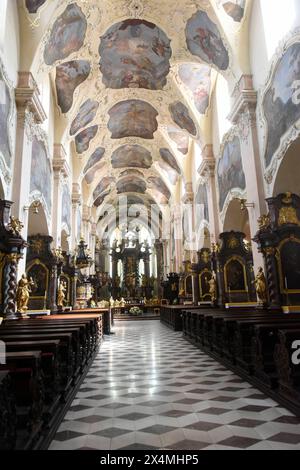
x=261 y=286
x=213 y=287
x=61 y=294
x=23 y=293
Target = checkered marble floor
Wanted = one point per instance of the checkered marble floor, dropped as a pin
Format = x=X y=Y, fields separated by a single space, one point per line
x=150 y=389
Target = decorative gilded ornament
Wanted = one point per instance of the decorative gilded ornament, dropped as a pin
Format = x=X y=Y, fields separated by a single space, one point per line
x=261 y=286
x=15 y=226
x=233 y=243
x=264 y=221
x=23 y=293
x=288 y=215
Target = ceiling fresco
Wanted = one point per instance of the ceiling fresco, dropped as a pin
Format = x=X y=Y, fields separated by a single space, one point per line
x=131 y=70
x=33 y=5
x=169 y=158
x=132 y=173
x=235 y=9
x=130 y=185
x=67 y=35
x=103 y=186
x=132 y=118
x=96 y=156
x=157 y=183
x=133 y=156
x=197 y=79
x=181 y=117
x=204 y=40
x=91 y=174
x=83 y=139
x=69 y=76
x=86 y=114
x=135 y=54
x=180 y=138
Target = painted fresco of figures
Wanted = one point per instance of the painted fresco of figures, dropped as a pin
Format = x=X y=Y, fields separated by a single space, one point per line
x=180 y=138
x=41 y=171
x=204 y=40
x=83 y=139
x=66 y=206
x=127 y=184
x=132 y=118
x=94 y=158
x=181 y=116
x=39 y=276
x=230 y=170
x=281 y=102
x=86 y=114
x=234 y=8
x=134 y=156
x=196 y=78
x=69 y=76
x=135 y=54
x=201 y=205
x=67 y=35
x=5 y=107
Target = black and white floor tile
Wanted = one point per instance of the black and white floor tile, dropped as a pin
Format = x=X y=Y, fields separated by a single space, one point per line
x=150 y=389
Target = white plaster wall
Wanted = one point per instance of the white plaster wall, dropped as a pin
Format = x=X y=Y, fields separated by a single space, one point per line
x=220 y=111
x=9 y=39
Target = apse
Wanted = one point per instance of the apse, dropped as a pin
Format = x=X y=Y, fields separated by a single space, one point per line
x=181 y=117
x=86 y=114
x=135 y=54
x=204 y=40
x=96 y=156
x=69 y=76
x=67 y=34
x=134 y=156
x=132 y=118
x=83 y=139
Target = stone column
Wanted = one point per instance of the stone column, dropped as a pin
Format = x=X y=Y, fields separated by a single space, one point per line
x=74 y=291
x=178 y=239
x=60 y=171
x=30 y=114
x=93 y=246
x=189 y=209
x=207 y=171
x=10 y=289
x=243 y=114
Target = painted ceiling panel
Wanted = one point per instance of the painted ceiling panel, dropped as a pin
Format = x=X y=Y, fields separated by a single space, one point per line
x=68 y=77
x=67 y=35
x=197 y=78
x=180 y=138
x=204 y=40
x=96 y=156
x=132 y=118
x=169 y=158
x=103 y=186
x=92 y=173
x=158 y=184
x=33 y=5
x=135 y=54
x=132 y=173
x=133 y=156
x=181 y=117
x=83 y=139
x=129 y=185
x=86 y=114
x=235 y=9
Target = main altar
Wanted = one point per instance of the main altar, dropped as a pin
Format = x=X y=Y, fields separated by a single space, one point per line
x=130 y=260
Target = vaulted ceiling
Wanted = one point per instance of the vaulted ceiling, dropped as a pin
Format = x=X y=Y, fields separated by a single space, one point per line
x=132 y=81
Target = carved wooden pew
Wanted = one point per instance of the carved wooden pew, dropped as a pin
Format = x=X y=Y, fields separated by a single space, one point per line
x=8 y=421
x=264 y=341
x=288 y=372
x=26 y=376
x=66 y=353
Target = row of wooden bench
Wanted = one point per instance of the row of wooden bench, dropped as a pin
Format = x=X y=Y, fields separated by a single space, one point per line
x=45 y=359
x=256 y=344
